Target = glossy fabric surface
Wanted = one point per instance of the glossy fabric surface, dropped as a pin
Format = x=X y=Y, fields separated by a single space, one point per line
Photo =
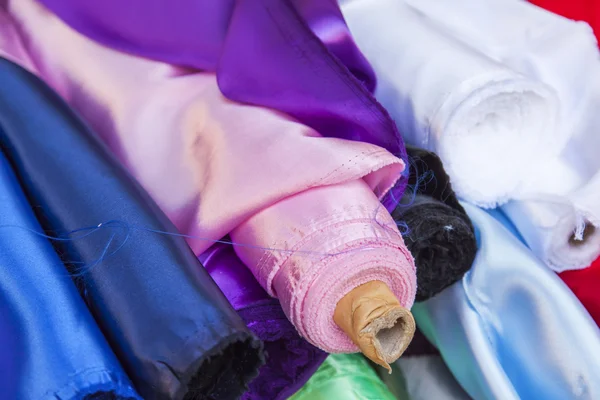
x=295 y=56
x=344 y=376
x=511 y=329
x=50 y=345
x=438 y=232
x=167 y=321
x=290 y=360
x=210 y=164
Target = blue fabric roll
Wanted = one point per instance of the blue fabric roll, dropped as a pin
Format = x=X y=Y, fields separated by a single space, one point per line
x=50 y=345
x=167 y=321
x=511 y=329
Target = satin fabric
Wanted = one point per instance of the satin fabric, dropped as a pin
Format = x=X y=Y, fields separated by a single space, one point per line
x=559 y=199
x=579 y=10
x=437 y=231
x=584 y=284
x=511 y=329
x=51 y=346
x=344 y=376
x=422 y=378
x=211 y=164
x=290 y=360
x=450 y=98
x=167 y=321
x=295 y=56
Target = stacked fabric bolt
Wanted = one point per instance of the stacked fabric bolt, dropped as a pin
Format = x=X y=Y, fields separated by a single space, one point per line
x=220 y=183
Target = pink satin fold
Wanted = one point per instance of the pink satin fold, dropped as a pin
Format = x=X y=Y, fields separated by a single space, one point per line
x=216 y=167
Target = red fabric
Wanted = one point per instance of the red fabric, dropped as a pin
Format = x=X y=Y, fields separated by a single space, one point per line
x=579 y=10
x=585 y=283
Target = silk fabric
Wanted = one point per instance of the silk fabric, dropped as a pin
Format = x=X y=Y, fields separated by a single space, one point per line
x=167 y=321
x=344 y=376
x=50 y=345
x=290 y=360
x=210 y=164
x=295 y=56
x=511 y=329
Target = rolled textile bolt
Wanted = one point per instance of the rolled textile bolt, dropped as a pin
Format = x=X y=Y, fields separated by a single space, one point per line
x=373 y=318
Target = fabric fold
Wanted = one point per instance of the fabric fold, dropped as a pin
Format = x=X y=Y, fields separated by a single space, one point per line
x=437 y=230
x=171 y=327
x=51 y=345
x=344 y=376
x=511 y=329
x=211 y=165
x=294 y=56
x=449 y=98
x=290 y=360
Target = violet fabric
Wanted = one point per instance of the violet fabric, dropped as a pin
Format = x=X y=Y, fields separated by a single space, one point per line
x=303 y=208
x=438 y=232
x=296 y=56
x=291 y=360
x=168 y=323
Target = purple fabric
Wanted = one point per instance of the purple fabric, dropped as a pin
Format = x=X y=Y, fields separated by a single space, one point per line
x=296 y=56
x=291 y=360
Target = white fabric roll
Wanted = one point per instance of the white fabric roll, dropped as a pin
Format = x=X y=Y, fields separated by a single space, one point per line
x=448 y=97
x=558 y=211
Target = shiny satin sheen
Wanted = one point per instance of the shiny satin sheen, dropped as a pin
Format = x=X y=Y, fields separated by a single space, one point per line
x=50 y=345
x=295 y=56
x=511 y=329
x=210 y=164
x=167 y=321
x=291 y=361
x=344 y=376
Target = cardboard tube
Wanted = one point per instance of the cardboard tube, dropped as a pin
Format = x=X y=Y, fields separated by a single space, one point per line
x=373 y=318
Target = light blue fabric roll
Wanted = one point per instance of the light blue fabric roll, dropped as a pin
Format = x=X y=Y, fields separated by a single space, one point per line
x=511 y=329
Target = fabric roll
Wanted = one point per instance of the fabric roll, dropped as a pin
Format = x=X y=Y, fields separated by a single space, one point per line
x=295 y=56
x=584 y=284
x=557 y=213
x=579 y=10
x=422 y=378
x=511 y=329
x=451 y=99
x=548 y=208
x=344 y=376
x=290 y=360
x=438 y=231
x=166 y=320
x=552 y=214
x=210 y=165
x=51 y=345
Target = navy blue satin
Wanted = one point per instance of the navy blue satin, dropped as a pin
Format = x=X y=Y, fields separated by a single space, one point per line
x=169 y=324
x=511 y=329
x=50 y=346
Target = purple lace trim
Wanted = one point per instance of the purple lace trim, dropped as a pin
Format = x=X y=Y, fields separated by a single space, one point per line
x=291 y=360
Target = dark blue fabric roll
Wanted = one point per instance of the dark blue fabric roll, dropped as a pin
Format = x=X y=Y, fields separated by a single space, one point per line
x=167 y=321
x=50 y=346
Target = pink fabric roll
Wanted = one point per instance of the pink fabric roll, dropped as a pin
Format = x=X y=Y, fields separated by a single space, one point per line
x=216 y=167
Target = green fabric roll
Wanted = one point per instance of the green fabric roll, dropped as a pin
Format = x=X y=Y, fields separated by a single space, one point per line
x=344 y=376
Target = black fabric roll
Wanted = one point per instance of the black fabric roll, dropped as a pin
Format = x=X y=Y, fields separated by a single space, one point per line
x=169 y=324
x=439 y=234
